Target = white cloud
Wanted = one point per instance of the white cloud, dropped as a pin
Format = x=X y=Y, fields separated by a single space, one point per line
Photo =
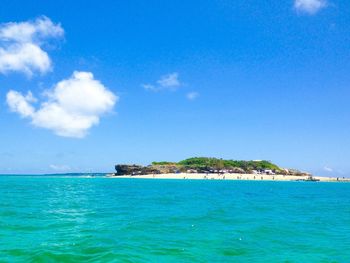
x=71 y=108
x=166 y=82
x=192 y=95
x=21 y=45
x=21 y=104
x=309 y=6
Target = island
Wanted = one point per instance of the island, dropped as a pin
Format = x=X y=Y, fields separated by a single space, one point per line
x=216 y=169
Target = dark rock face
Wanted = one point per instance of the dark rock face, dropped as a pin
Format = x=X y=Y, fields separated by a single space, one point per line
x=125 y=169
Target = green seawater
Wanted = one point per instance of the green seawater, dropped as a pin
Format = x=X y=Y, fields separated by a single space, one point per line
x=77 y=219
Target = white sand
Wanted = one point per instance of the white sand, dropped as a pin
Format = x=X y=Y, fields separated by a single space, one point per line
x=252 y=177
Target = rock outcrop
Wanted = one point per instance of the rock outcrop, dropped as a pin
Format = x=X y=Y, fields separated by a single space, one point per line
x=126 y=169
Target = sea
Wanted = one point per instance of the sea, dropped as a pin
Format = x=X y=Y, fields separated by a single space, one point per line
x=84 y=218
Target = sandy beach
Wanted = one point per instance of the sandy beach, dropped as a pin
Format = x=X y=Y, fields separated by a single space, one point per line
x=250 y=177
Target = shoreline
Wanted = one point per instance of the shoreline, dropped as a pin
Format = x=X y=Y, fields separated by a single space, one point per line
x=231 y=176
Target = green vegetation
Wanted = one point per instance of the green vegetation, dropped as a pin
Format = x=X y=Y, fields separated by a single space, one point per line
x=205 y=163
x=164 y=163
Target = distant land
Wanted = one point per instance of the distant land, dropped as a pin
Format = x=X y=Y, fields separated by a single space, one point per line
x=207 y=165
x=215 y=168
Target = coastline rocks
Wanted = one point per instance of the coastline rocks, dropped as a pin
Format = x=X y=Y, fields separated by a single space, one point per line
x=133 y=169
x=296 y=172
x=124 y=169
x=165 y=169
x=237 y=170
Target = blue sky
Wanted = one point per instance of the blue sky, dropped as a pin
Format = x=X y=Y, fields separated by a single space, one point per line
x=137 y=81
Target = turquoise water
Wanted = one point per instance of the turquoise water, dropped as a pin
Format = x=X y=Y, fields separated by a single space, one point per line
x=72 y=219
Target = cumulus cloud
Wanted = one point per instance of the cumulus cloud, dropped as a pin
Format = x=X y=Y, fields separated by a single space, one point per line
x=21 y=104
x=70 y=108
x=166 y=82
x=21 y=45
x=192 y=95
x=309 y=6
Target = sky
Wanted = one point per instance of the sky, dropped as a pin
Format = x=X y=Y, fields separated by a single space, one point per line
x=88 y=84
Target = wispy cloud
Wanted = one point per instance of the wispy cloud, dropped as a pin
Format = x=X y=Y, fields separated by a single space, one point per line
x=169 y=81
x=166 y=82
x=192 y=95
x=21 y=45
x=327 y=169
x=60 y=167
x=71 y=108
x=149 y=87
x=309 y=6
